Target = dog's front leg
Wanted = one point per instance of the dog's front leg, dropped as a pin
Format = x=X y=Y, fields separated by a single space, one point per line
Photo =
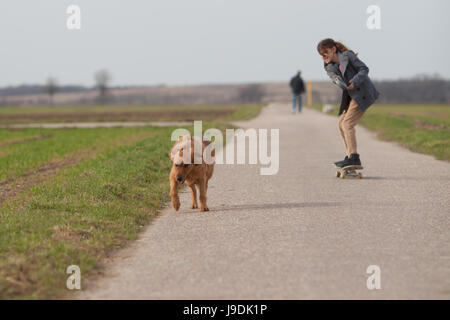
x=174 y=194
x=194 y=204
x=202 y=188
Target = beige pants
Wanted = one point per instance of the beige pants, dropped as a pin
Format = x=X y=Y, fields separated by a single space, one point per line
x=347 y=123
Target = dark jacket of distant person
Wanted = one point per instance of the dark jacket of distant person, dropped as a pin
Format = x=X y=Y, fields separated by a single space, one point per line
x=297 y=85
x=353 y=69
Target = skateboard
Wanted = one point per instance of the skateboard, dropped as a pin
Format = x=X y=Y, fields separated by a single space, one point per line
x=349 y=171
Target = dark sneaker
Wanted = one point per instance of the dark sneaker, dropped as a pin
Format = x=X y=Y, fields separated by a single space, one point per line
x=339 y=162
x=353 y=160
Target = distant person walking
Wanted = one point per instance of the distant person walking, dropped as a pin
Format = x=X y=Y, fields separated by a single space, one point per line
x=297 y=87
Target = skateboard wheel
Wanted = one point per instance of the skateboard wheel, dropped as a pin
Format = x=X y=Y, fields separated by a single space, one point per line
x=338 y=174
x=343 y=175
x=359 y=175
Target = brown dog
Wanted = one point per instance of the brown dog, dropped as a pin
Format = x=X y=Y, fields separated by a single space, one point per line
x=191 y=173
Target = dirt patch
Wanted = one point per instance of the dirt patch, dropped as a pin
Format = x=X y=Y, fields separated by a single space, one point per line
x=429 y=126
x=103 y=124
x=9 y=188
x=172 y=115
x=18 y=278
x=67 y=233
x=421 y=124
x=10 y=142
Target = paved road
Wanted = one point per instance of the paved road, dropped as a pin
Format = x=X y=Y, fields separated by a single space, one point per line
x=300 y=234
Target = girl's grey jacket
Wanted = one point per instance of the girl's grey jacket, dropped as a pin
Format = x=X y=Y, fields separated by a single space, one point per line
x=354 y=70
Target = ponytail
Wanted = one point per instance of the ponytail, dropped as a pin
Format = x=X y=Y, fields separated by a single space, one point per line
x=340 y=46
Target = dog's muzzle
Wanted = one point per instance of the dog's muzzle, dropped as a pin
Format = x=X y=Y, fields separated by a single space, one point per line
x=180 y=179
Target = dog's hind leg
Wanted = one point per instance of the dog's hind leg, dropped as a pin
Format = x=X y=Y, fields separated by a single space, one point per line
x=194 y=204
x=203 y=188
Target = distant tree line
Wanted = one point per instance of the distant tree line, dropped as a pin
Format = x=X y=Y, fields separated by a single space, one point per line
x=420 y=89
x=38 y=89
x=102 y=80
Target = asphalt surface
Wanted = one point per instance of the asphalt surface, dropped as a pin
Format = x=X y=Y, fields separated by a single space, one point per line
x=299 y=234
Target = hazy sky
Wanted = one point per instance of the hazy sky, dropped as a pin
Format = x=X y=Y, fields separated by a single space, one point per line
x=179 y=42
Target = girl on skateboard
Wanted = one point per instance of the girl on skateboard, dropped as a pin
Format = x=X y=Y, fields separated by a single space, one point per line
x=359 y=93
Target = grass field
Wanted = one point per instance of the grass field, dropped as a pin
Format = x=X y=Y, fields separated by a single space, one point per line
x=72 y=196
x=420 y=128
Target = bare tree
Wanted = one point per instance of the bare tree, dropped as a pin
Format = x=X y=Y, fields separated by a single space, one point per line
x=252 y=93
x=102 y=80
x=51 y=87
